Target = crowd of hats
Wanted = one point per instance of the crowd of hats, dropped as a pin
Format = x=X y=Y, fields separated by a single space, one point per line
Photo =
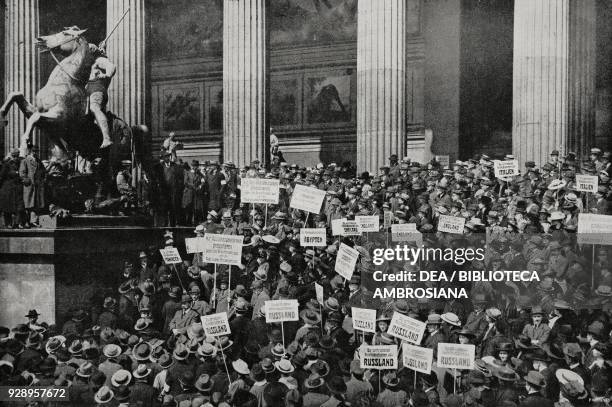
x=530 y=222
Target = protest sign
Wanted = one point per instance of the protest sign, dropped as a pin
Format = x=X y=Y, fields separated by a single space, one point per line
x=307 y=199
x=336 y=225
x=406 y=328
x=387 y=219
x=417 y=358
x=594 y=229
x=451 y=224
x=368 y=223
x=216 y=324
x=444 y=160
x=587 y=183
x=313 y=237
x=406 y=232
x=456 y=356
x=346 y=260
x=223 y=249
x=194 y=245
x=378 y=357
x=364 y=319
x=259 y=190
x=505 y=169
x=350 y=228
x=171 y=255
x=319 y=292
x=281 y=310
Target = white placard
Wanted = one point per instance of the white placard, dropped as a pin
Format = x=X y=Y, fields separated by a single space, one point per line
x=417 y=358
x=223 y=249
x=336 y=225
x=307 y=199
x=216 y=324
x=259 y=190
x=346 y=260
x=451 y=224
x=405 y=232
x=444 y=160
x=281 y=311
x=594 y=229
x=456 y=356
x=379 y=357
x=313 y=237
x=368 y=223
x=587 y=183
x=506 y=169
x=194 y=245
x=364 y=319
x=320 y=294
x=350 y=228
x=406 y=328
x=171 y=255
x=387 y=219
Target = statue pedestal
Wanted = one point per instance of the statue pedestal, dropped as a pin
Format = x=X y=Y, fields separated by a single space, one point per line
x=77 y=260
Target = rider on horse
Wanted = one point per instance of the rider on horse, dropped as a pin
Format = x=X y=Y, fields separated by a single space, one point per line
x=102 y=72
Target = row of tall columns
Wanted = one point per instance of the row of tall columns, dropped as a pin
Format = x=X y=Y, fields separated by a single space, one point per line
x=244 y=81
x=553 y=84
x=127 y=49
x=21 y=62
x=381 y=90
x=553 y=78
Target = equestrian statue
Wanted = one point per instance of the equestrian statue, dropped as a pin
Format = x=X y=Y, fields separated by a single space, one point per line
x=70 y=110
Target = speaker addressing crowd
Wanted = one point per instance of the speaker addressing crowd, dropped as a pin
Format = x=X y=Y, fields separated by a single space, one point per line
x=271 y=302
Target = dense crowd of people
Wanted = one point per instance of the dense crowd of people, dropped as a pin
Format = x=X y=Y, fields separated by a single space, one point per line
x=541 y=343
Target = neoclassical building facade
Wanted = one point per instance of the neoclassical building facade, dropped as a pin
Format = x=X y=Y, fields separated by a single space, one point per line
x=341 y=80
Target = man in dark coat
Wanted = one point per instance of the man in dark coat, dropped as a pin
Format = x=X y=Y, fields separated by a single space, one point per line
x=32 y=174
x=11 y=192
x=169 y=188
x=534 y=383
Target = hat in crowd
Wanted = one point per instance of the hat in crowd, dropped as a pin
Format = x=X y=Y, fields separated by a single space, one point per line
x=535 y=379
x=451 y=318
x=240 y=367
x=104 y=395
x=121 y=378
x=434 y=319
x=314 y=381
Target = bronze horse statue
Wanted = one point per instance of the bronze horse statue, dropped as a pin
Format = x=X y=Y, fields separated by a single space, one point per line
x=60 y=109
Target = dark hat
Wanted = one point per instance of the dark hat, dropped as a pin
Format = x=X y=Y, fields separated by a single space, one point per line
x=535 y=378
x=314 y=381
x=32 y=314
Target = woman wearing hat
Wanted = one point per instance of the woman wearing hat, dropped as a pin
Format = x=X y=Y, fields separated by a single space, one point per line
x=382 y=324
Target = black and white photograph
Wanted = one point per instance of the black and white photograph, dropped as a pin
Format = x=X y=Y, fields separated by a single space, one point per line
x=306 y=203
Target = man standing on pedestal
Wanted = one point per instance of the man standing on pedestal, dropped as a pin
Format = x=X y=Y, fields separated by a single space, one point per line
x=32 y=174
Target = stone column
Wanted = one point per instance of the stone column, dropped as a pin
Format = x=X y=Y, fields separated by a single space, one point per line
x=126 y=49
x=554 y=78
x=21 y=63
x=381 y=91
x=244 y=80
